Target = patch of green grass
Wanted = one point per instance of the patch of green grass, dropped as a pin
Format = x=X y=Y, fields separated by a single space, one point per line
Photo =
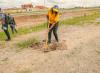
x=2 y=35
x=78 y=20
x=25 y=30
x=98 y=23
x=26 y=43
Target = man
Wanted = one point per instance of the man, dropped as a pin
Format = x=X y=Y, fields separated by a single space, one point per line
x=5 y=26
x=53 y=20
x=11 y=22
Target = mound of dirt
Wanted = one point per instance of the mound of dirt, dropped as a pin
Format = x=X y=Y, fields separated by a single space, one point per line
x=41 y=46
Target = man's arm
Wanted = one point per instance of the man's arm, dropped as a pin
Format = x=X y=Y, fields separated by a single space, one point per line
x=52 y=25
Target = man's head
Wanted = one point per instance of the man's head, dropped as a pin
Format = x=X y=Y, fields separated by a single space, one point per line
x=55 y=8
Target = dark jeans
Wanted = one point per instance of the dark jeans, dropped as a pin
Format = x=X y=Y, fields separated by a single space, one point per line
x=5 y=28
x=54 y=29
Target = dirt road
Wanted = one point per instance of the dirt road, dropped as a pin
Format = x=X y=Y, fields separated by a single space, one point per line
x=82 y=54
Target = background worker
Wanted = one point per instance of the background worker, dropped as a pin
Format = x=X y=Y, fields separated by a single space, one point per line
x=5 y=26
x=12 y=23
x=53 y=20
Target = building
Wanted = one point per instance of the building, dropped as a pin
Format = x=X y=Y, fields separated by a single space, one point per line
x=28 y=7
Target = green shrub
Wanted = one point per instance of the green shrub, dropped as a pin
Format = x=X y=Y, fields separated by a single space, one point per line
x=27 y=43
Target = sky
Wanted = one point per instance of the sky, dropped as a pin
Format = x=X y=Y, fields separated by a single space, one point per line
x=49 y=3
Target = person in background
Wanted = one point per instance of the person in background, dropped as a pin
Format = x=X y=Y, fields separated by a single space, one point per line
x=12 y=23
x=53 y=21
x=5 y=26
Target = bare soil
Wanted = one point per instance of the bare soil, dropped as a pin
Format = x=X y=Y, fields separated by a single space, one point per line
x=81 y=56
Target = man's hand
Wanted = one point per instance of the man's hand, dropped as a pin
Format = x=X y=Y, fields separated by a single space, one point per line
x=52 y=26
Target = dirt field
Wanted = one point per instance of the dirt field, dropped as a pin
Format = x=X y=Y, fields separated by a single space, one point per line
x=30 y=20
x=82 y=54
